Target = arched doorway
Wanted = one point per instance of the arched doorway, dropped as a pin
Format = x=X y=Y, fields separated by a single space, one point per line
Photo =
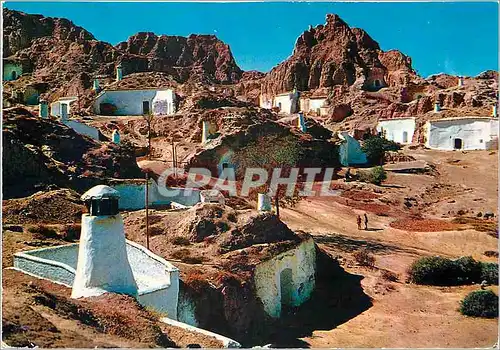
x=286 y=288
x=457 y=143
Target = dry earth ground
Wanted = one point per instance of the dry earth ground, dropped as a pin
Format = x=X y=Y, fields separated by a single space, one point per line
x=407 y=315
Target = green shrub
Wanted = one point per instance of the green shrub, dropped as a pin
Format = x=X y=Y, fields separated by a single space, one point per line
x=375 y=148
x=439 y=271
x=375 y=176
x=480 y=303
x=467 y=270
x=432 y=270
x=489 y=273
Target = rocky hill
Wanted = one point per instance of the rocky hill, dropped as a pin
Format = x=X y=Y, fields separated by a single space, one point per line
x=66 y=58
x=41 y=154
x=335 y=54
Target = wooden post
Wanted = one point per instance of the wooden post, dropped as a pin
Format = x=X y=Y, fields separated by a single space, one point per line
x=277 y=203
x=147 y=210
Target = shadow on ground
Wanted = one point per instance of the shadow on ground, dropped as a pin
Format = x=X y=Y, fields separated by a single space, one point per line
x=338 y=297
x=346 y=244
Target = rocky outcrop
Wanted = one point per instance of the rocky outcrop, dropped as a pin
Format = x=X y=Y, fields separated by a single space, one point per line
x=41 y=152
x=21 y=29
x=205 y=52
x=335 y=54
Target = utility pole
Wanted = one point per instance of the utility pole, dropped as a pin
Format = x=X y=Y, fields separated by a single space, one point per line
x=147 y=209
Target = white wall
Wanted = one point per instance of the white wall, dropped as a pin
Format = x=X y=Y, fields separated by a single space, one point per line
x=476 y=133
x=83 y=129
x=315 y=103
x=129 y=102
x=302 y=261
x=132 y=195
x=395 y=129
x=164 y=102
x=55 y=107
x=288 y=103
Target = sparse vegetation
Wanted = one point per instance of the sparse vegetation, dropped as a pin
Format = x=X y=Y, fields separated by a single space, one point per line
x=480 y=303
x=180 y=241
x=439 y=271
x=389 y=276
x=364 y=258
x=375 y=176
x=185 y=256
x=375 y=148
x=43 y=231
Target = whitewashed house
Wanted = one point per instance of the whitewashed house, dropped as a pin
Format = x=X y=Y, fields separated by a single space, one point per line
x=62 y=107
x=314 y=105
x=464 y=133
x=399 y=130
x=136 y=102
x=287 y=102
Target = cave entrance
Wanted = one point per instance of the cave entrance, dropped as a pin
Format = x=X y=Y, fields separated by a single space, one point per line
x=286 y=288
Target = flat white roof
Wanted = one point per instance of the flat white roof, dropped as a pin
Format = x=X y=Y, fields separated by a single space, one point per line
x=395 y=119
x=462 y=118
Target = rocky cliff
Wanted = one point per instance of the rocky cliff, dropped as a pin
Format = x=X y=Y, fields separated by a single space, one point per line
x=335 y=54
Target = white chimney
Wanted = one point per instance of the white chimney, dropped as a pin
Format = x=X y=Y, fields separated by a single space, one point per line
x=103 y=264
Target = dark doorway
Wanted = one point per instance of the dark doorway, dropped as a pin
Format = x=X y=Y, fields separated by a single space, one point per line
x=405 y=136
x=145 y=107
x=458 y=143
x=14 y=75
x=377 y=83
x=286 y=287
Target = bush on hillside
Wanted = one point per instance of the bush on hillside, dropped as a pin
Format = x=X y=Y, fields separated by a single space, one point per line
x=375 y=148
x=480 y=303
x=439 y=271
x=489 y=273
x=375 y=176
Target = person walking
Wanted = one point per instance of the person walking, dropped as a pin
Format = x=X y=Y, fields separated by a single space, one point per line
x=366 y=222
x=359 y=222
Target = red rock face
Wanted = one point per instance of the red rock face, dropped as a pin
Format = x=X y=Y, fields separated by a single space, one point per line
x=21 y=29
x=334 y=54
x=162 y=53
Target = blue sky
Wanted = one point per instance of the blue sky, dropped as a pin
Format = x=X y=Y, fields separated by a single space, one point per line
x=456 y=38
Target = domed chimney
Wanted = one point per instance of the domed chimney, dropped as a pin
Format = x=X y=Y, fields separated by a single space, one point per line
x=103 y=264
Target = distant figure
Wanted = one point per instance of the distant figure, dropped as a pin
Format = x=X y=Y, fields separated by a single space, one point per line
x=366 y=222
x=359 y=222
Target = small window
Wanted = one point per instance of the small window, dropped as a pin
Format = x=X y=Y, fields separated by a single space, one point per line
x=481 y=141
